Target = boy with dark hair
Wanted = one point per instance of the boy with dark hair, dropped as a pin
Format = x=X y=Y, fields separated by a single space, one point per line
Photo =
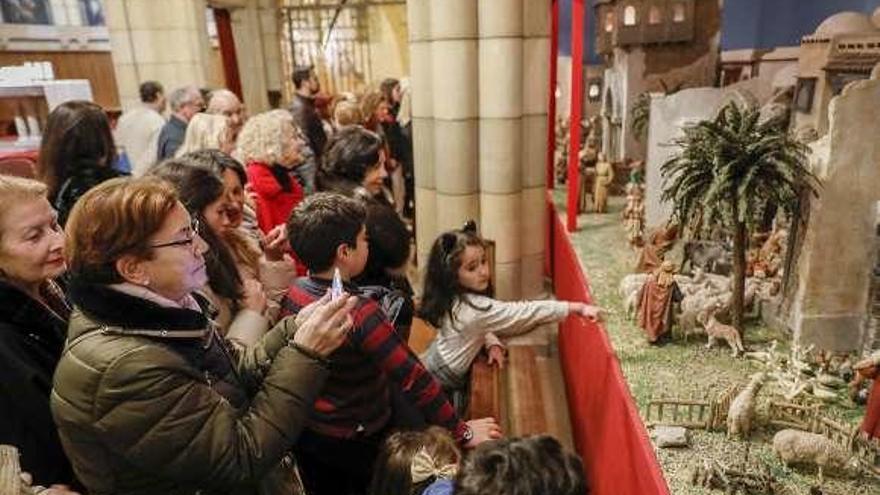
x=533 y=465
x=352 y=415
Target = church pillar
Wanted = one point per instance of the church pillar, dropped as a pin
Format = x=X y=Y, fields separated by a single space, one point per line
x=479 y=71
x=454 y=89
x=500 y=149
x=536 y=63
x=419 y=24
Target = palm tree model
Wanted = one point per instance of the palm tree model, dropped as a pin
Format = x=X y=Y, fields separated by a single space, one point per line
x=729 y=172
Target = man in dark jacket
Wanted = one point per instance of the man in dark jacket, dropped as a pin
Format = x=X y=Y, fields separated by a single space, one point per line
x=185 y=103
x=305 y=116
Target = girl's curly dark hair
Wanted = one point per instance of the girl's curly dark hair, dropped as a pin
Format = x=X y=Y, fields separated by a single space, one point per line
x=441 y=277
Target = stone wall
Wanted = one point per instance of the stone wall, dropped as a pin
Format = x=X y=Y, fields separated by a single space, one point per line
x=669 y=114
x=165 y=42
x=838 y=254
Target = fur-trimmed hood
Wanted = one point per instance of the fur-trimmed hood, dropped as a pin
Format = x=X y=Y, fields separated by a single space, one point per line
x=113 y=308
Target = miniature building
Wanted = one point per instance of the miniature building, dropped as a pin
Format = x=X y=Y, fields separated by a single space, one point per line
x=642 y=22
x=844 y=48
x=649 y=46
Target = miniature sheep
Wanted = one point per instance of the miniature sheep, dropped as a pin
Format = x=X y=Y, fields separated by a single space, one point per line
x=742 y=408
x=796 y=447
x=631 y=283
x=631 y=304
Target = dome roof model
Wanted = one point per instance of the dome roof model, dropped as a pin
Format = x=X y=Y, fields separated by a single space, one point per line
x=846 y=23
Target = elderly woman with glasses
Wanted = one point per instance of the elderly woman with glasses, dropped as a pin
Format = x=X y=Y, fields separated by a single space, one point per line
x=148 y=398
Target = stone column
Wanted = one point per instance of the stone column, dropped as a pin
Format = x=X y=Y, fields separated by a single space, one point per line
x=269 y=28
x=419 y=23
x=479 y=73
x=501 y=130
x=165 y=41
x=535 y=67
x=454 y=88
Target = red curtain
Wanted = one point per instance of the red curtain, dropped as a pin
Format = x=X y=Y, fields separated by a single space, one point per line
x=227 y=51
x=608 y=432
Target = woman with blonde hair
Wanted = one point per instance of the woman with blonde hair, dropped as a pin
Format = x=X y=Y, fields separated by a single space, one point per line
x=207 y=131
x=269 y=145
x=346 y=113
x=33 y=325
x=147 y=396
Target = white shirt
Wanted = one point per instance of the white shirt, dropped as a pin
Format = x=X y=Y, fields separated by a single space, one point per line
x=477 y=320
x=137 y=132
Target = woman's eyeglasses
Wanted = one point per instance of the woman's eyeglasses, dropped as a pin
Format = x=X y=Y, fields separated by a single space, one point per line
x=190 y=239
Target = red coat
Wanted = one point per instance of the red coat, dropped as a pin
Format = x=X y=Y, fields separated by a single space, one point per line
x=274 y=204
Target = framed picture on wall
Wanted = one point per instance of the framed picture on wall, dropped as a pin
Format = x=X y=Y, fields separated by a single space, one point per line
x=26 y=11
x=803 y=94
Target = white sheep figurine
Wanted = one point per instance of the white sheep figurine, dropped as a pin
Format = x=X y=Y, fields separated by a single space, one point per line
x=801 y=447
x=742 y=408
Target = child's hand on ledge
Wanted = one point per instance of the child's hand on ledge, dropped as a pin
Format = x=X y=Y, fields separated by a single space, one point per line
x=592 y=313
x=496 y=356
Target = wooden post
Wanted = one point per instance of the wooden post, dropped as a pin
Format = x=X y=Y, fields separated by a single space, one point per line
x=577 y=97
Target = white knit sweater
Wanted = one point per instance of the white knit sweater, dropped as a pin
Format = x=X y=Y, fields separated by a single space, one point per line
x=479 y=320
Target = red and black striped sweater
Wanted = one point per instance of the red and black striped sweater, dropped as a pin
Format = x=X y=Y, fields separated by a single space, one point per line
x=355 y=401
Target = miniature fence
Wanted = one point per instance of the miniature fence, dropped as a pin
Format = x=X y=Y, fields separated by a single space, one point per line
x=793 y=415
x=706 y=414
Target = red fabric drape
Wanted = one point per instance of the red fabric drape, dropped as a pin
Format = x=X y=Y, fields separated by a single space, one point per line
x=608 y=432
x=227 y=51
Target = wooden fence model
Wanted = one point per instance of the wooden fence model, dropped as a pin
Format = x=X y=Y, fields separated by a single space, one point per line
x=707 y=413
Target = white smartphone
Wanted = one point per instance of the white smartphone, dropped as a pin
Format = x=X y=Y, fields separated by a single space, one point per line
x=336 y=286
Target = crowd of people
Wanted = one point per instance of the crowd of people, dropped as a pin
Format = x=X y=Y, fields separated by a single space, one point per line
x=178 y=327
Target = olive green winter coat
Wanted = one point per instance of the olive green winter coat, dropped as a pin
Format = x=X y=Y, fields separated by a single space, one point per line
x=149 y=399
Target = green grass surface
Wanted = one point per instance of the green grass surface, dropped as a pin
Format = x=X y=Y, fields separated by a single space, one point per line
x=685 y=369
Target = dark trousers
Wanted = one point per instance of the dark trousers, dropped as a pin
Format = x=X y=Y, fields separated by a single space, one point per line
x=337 y=466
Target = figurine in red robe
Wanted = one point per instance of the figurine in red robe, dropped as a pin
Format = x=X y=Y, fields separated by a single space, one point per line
x=869 y=368
x=657 y=302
